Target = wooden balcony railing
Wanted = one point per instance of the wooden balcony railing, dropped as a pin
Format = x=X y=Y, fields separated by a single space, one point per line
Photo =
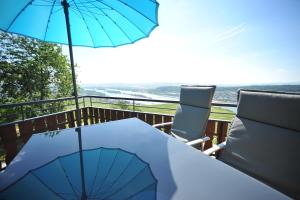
x=19 y=121
x=14 y=135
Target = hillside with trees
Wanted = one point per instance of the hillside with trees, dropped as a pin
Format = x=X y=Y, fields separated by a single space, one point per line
x=32 y=70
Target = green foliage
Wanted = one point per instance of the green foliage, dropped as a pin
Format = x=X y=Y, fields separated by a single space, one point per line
x=32 y=70
x=124 y=105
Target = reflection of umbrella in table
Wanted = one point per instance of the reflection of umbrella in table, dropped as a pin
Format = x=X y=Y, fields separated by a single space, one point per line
x=109 y=174
x=131 y=143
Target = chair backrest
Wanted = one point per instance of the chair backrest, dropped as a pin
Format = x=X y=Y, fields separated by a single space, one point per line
x=193 y=111
x=264 y=139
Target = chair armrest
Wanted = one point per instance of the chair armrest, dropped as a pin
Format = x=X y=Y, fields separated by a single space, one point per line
x=215 y=148
x=198 y=141
x=162 y=124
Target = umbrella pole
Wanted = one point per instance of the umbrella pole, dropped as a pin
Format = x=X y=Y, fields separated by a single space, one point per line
x=66 y=11
x=78 y=130
x=84 y=196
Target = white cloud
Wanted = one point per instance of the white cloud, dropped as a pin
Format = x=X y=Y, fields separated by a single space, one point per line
x=164 y=60
x=231 y=33
x=280 y=70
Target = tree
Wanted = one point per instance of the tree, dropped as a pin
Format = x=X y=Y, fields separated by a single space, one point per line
x=32 y=70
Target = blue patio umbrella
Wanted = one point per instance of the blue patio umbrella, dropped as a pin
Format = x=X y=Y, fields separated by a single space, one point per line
x=109 y=174
x=91 y=23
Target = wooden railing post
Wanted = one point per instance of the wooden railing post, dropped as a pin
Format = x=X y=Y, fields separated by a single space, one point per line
x=142 y=116
x=107 y=115
x=168 y=127
x=102 y=115
x=149 y=118
x=120 y=114
x=158 y=119
x=61 y=121
x=85 y=115
x=222 y=130
x=113 y=114
x=71 y=119
x=210 y=130
x=96 y=115
x=91 y=115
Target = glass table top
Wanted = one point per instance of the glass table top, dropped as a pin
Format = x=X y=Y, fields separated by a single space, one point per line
x=172 y=170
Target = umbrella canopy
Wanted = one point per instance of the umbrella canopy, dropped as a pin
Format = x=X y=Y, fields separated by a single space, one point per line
x=93 y=23
x=109 y=174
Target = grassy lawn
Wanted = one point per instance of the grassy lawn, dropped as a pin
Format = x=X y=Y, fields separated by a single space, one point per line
x=221 y=113
x=216 y=112
x=167 y=108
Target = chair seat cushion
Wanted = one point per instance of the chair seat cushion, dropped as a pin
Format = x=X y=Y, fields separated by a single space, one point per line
x=190 y=122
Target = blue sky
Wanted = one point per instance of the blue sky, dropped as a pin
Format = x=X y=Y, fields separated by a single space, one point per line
x=205 y=42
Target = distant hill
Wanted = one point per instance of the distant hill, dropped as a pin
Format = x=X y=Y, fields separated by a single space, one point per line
x=227 y=94
x=222 y=94
x=171 y=90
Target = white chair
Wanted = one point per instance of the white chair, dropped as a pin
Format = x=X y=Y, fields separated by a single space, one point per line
x=192 y=115
x=264 y=139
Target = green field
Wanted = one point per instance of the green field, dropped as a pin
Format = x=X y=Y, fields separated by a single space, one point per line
x=167 y=108
x=216 y=112
x=220 y=113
